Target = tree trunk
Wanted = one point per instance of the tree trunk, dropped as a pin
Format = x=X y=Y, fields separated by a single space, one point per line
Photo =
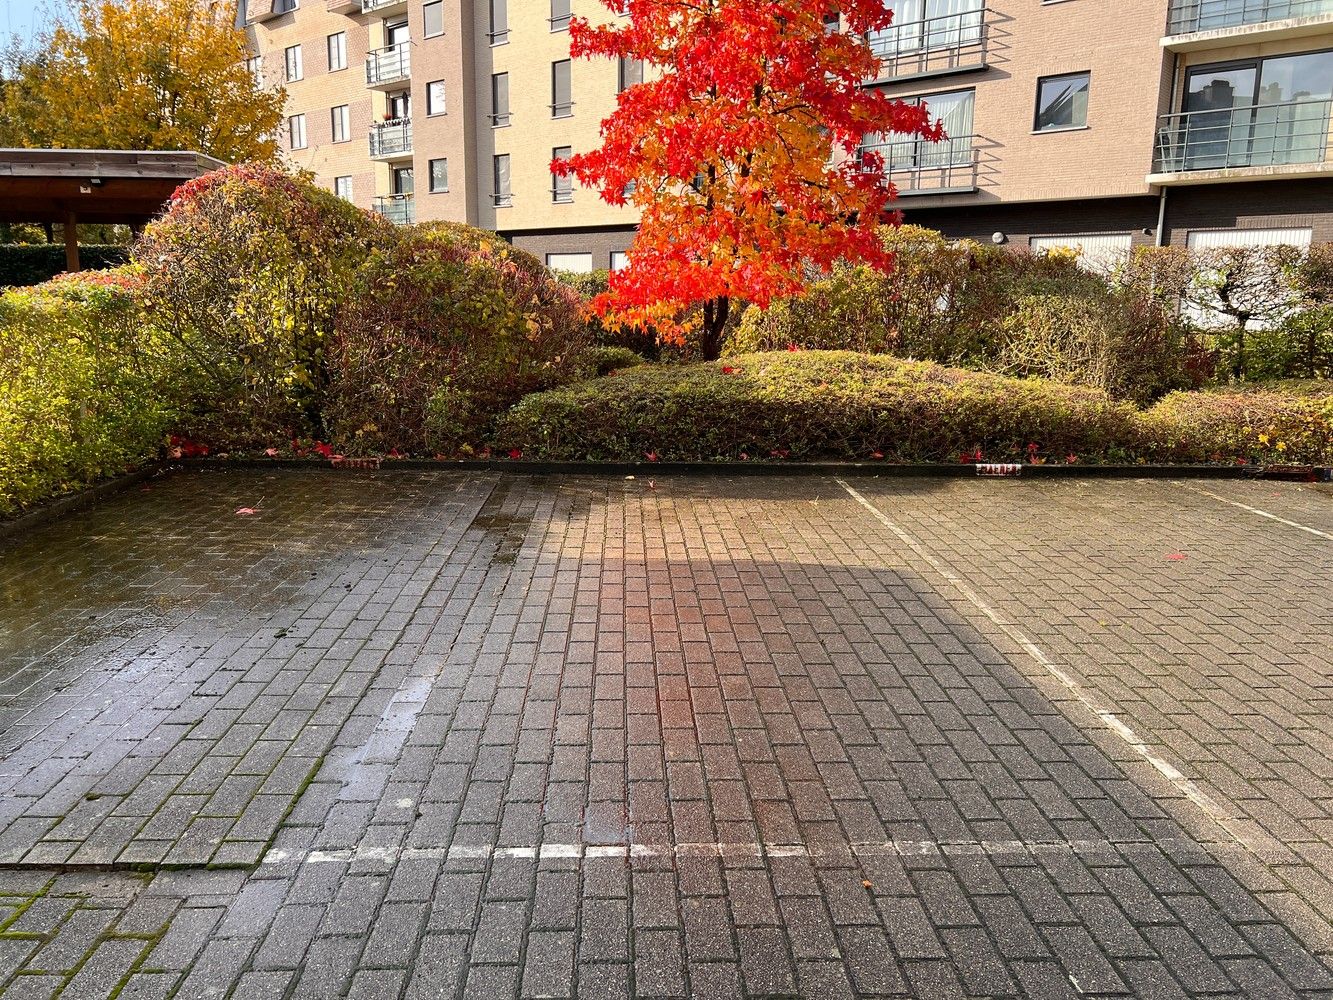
x=1240 y=366
x=716 y=312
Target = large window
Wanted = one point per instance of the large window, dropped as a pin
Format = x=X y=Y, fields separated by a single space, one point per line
x=559 y=15
x=337 y=51
x=503 y=195
x=575 y=263
x=562 y=104
x=915 y=164
x=499 y=99
x=1258 y=112
x=291 y=57
x=499 y=33
x=1062 y=102
x=342 y=187
x=433 y=14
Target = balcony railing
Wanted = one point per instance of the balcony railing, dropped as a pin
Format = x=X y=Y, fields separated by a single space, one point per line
x=1185 y=16
x=397 y=208
x=933 y=45
x=388 y=65
x=391 y=138
x=1263 y=135
x=264 y=10
x=917 y=166
x=370 y=6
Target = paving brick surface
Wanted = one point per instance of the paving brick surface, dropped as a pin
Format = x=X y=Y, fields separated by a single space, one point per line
x=457 y=735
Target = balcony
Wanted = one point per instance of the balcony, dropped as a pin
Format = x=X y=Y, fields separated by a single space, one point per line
x=950 y=43
x=388 y=66
x=344 y=6
x=259 y=11
x=1195 y=24
x=399 y=209
x=391 y=140
x=382 y=6
x=1259 y=142
x=920 y=167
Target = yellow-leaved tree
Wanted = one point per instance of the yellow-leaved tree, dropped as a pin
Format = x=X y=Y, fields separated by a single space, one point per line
x=141 y=74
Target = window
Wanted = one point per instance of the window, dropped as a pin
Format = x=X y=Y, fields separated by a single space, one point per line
x=401 y=180
x=439 y=175
x=434 y=17
x=499 y=33
x=559 y=15
x=1201 y=239
x=562 y=187
x=915 y=164
x=338 y=51
x=296 y=131
x=561 y=104
x=499 y=99
x=292 y=61
x=926 y=25
x=342 y=123
x=619 y=260
x=630 y=73
x=255 y=65
x=435 y=97
x=399 y=105
x=342 y=187
x=575 y=263
x=1062 y=102
x=1101 y=253
x=503 y=196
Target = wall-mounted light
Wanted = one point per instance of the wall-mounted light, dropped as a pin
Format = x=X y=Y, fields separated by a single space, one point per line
x=999 y=238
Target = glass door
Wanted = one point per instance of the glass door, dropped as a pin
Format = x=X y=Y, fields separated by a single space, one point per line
x=1219 y=122
x=402 y=180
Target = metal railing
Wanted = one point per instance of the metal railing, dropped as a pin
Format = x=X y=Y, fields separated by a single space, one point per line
x=388 y=65
x=391 y=138
x=1261 y=135
x=918 y=166
x=1185 y=16
x=369 y=6
x=933 y=44
x=397 y=208
x=503 y=199
x=262 y=10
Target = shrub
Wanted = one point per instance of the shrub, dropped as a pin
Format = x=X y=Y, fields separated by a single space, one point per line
x=589 y=286
x=33 y=263
x=1270 y=424
x=84 y=392
x=248 y=271
x=605 y=360
x=814 y=405
x=448 y=327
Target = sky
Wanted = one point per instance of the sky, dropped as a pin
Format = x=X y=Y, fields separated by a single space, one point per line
x=21 y=17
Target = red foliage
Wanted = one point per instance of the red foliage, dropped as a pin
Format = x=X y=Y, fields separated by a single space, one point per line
x=741 y=150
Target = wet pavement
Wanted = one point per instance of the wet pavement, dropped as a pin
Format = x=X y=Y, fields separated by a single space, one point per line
x=450 y=735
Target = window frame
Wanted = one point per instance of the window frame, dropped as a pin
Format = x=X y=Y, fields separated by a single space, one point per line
x=498 y=33
x=344 y=119
x=351 y=187
x=430 y=175
x=342 y=51
x=557 y=21
x=562 y=188
x=502 y=199
x=1042 y=81
x=496 y=114
x=289 y=63
x=291 y=131
x=431 y=110
x=425 y=26
x=556 y=103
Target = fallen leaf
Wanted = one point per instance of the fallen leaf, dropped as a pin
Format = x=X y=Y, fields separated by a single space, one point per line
x=1176 y=556
x=246 y=511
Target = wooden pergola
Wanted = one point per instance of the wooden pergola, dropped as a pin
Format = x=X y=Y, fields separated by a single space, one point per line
x=70 y=186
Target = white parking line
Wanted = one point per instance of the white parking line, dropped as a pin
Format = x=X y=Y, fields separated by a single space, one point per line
x=1205 y=802
x=1261 y=513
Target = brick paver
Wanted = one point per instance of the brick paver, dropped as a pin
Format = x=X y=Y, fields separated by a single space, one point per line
x=450 y=735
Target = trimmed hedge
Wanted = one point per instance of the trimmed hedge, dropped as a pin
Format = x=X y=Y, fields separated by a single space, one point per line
x=23 y=264
x=812 y=405
x=1274 y=423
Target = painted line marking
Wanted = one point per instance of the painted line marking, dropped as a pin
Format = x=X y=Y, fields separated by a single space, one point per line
x=593 y=852
x=1205 y=802
x=1260 y=512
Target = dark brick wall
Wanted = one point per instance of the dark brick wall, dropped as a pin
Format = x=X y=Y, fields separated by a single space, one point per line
x=599 y=242
x=1254 y=205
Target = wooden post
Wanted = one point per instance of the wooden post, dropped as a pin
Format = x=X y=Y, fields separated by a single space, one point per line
x=71 y=244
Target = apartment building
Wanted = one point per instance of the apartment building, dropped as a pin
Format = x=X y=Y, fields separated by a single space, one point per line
x=1071 y=122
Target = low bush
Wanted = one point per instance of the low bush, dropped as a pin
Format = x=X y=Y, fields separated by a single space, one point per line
x=605 y=360
x=85 y=392
x=449 y=326
x=23 y=264
x=1276 y=423
x=248 y=272
x=815 y=405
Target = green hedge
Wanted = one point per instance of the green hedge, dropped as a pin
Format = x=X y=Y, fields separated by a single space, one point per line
x=24 y=264
x=1274 y=423
x=84 y=394
x=816 y=405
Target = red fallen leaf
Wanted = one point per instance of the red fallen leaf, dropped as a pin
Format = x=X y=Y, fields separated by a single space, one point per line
x=652 y=484
x=1176 y=556
x=1071 y=458
x=324 y=449
x=877 y=455
x=650 y=455
x=246 y=511
x=780 y=453
x=793 y=347
x=745 y=456
x=395 y=453
x=728 y=370
x=271 y=452
x=515 y=454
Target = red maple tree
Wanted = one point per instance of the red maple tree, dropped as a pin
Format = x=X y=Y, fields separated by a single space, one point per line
x=742 y=151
